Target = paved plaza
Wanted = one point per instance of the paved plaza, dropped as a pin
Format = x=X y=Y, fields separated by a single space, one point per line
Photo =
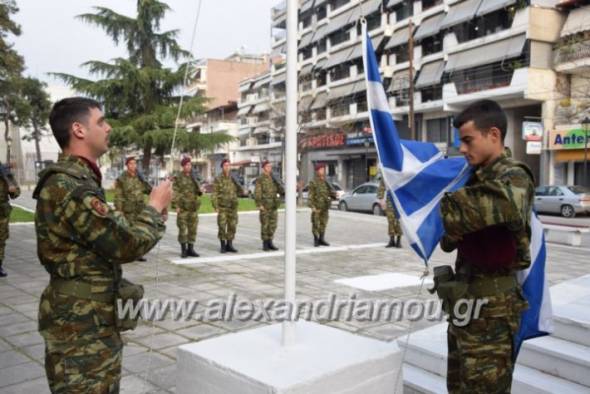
x=149 y=358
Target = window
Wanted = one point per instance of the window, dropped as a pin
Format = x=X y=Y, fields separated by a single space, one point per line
x=307 y=52
x=361 y=190
x=340 y=72
x=541 y=191
x=554 y=191
x=320 y=114
x=322 y=45
x=321 y=13
x=426 y=4
x=431 y=93
x=341 y=108
x=437 y=130
x=489 y=76
x=432 y=44
x=361 y=102
x=404 y=10
x=338 y=3
x=401 y=53
x=339 y=37
x=306 y=21
x=321 y=78
x=483 y=26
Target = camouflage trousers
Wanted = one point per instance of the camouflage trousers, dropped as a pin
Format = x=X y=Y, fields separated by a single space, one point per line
x=187 y=222
x=4 y=219
x=481 y=356
x=87 y=365
x=393 y=222
x=227 y=221
x=319 y=221
x=268 y=224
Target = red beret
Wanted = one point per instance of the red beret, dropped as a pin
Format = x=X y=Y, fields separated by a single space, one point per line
x=319 y=165
x=224 y=161
x=185 y=159
x=264 y=163
x=127 y=160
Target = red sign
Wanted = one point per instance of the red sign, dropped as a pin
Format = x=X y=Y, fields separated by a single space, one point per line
x=332 y=140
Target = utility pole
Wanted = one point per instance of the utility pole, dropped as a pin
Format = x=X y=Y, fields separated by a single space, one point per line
x=412 y=123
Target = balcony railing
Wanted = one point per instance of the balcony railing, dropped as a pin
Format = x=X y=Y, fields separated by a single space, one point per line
x=569 y=52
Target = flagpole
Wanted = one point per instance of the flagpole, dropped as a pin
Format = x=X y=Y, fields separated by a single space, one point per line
x=288 y=334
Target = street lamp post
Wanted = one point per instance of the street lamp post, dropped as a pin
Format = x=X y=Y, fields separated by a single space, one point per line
x=586 y=126
x=367 y=143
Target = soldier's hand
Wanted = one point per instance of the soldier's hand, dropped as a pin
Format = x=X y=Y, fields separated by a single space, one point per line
x=261 y=208
x=177 y=210
x=161 y=196
x=11 y=189
x=165 y=214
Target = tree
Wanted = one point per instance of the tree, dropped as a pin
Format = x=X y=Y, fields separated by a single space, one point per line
x=140 y=95
x=33 y=92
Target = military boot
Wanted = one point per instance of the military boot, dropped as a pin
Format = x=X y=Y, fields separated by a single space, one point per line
x=191 y=251
x=271 y=246
x=183 y=251
x=230 y=247
x=223 y=248
x=3 y=273
x=391 y=243
x=322 y=241
x=316 y=241
x=265 y=246
x=398 y=242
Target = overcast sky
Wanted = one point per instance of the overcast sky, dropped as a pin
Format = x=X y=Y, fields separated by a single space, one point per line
x=52 y=40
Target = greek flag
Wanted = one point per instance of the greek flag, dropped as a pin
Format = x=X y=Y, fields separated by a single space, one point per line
x=417 y=175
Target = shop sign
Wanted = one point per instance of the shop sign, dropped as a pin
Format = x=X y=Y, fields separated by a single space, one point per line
x=568 y=139
x=534 y=147
x=352 y=141
x=332 y=140
x=532 y=131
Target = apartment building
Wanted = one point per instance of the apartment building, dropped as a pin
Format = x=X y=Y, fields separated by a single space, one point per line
x=462 y=51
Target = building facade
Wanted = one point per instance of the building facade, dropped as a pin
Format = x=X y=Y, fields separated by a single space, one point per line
x=462 y=51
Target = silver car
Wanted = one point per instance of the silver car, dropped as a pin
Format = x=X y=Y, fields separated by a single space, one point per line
x=565 y=200
x=362 y=199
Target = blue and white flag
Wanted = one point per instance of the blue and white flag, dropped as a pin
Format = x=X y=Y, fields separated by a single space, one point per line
x=417 y=176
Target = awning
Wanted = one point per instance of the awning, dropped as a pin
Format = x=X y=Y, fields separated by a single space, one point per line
x=338 y=57
x=244 y=131
x=358 y=49
x=577 y=21
x=370 y=6
x=306 y=39
x=281 y=49
x=305 y=70
x=320 y=101
x=392 y=3
x=260 y=83
x=429 y=26
x=493 y=52
x=320 y=32
x=261 y=130
x=400 y=80
x=244 y=110
x=460 y=12
x=489 y=6
x=305 y=103
x=430 y=74
x=279 y=79
x=306 y=6
x=346 y=90
x=341 y=21
x=399 y=37
x=261 y=108
x=320 y=64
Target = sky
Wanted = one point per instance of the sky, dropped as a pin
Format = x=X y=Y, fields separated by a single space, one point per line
x=53 y=40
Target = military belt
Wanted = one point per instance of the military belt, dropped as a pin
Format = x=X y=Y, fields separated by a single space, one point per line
x=79 y=289
x=492 y=286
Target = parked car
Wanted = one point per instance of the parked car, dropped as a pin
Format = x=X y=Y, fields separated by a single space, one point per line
x=251 y=187
x=565 y=200
x=337 y=187
x=362 y=199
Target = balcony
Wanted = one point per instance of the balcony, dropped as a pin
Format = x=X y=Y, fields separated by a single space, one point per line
x=572 y=56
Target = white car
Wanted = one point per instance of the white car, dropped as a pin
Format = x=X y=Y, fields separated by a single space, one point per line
x=362 y=199
x=565 y=200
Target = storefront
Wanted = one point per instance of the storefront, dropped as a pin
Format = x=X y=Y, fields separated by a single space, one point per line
x=566 y=144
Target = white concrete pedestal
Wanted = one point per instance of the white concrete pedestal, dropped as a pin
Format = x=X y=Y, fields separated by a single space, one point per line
x=324 y=360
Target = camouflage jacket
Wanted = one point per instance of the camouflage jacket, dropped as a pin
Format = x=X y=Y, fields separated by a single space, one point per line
x=225 y=192
x=320 y=194
x=186 y=192
x=7 y=180
x=80 y=238
x=130 y=193
x=267 y=192
x=496 y=201
x=381 y=195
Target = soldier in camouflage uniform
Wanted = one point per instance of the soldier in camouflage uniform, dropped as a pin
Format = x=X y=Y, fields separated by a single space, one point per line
x=82 y=243
x=319 y=200
x=395 y=230
x=226 y=191
x=186 y=198
x=130 y=192
x=488 y=222
x=267 y=197
x=8 y=189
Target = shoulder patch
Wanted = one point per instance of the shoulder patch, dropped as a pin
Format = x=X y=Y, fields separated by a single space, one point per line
x=98 y=206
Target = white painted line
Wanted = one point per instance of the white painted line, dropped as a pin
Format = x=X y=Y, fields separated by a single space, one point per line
x=383 y=281
x=22 y=223
x=22 y=207
x=252 y=256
